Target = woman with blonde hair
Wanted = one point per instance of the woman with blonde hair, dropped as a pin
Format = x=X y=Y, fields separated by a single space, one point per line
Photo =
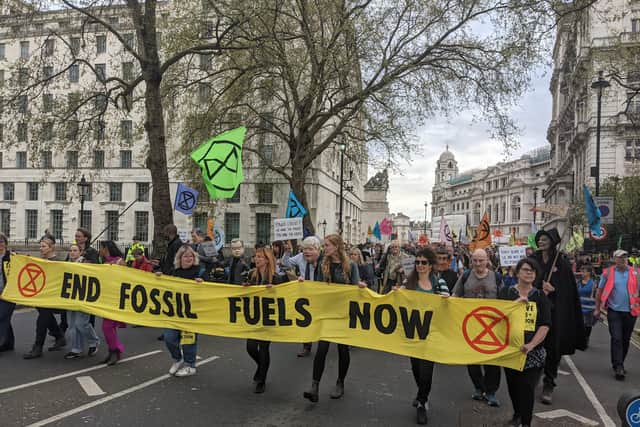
x=264 y=274
x=336 y=268
x=183 y=351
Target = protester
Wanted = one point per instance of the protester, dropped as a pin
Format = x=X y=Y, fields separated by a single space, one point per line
x=278 y=252
x=509 y=279
x=567 y=328
x=522 y=384
x=182 y=346
x=207 y=260
x=135 y=244
x=424 y=279
x=111 y=254
x=83 y=240
x=140 y=262
x=480 y=282
x=618 y=292
x=586 y=290
x=174 y=243
x=237 y=265
x=308 y=264
x=336 y=268
x=80 y=328
x=443 y=268
x=365 y=270
x=46 y=321
x=264 y=274
x=7 y=339
x=391 y=267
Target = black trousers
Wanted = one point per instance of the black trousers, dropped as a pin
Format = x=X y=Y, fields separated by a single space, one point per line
x=551 y=363
x=7 y=340
x=259 y=352
x=621 y=325
x=423 y=375
x=487 y=381
x=46 y=322
x=321 y=356
x=522 y=388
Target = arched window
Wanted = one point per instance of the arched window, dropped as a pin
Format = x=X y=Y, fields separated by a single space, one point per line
x=515 y=209
x=450 y=165
x=476 y=214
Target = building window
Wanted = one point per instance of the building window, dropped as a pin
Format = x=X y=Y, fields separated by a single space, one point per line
x=125 y=158
x=142 y=226
x=112 y=219
x=47 y=160
x=127 y=71
x=47 y=131
x=204 y=92
x=21 y=159
x=635 y=25
x=231 y=226
x=263 y=228
x=236 y=196
x=266 y=151
x=2 y=50
x=23 y=104
x=126 y=130
x=56 y=222
x=503 y=212
x=265 y=193
x=100 y=102
x=72 y=159
x=89 y=196
x=49 y=45
x=47 y=72
x=515 y=209
x=60 y=191
x=115 y=191
x=99 y=131
x=142 y=190
x=1 y=78
x=632 y=150
x=24 y=50
x=23 y=76
x=200 y=220
x=128 y=39
x=489 y=213
x=32 y=190
x=23 y=131
x=9 y=191
x=101 y=72
x=85 y=219
x=31 y=224
x=205 y=61
x=74 y=73
x=47 y=103
x=98 y=159
x=1 y=157
x=5 y=222
x=74 y=42
x=101 y=44
x=73 y=128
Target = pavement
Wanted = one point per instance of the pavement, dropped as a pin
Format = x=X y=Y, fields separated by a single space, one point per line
x=378 y=391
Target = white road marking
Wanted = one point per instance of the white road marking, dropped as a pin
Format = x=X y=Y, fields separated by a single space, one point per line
x=606 y=419
x=90 y=386
x=559 y=413
x=109 y=398
x=561 y=372
x=74 y=373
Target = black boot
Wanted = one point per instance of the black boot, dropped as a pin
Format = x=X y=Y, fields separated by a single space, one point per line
x=421 y=414
x=36 y=351
x=108 y=358
x=312 y=394
x=59 y=344
x=115 y=358
x=338 y=392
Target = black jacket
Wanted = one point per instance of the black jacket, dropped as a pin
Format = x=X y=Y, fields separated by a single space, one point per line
x=237 y=266
x=167 y=264
x=5 y=258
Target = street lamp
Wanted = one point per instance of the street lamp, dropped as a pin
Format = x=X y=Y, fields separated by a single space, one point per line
x=83 y=190
x=323 y=224
x=342 y=147
x=535 y=203
x=425 y=218
x=599 y=84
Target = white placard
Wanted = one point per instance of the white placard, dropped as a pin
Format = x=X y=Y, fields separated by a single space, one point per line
x=510 y=255
x=408 y=264
x=288 y=229
x=605 y=203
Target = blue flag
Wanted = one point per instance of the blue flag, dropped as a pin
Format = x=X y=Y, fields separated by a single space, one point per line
x=218 y=234
x=186 y=199
x=593 y=212
x=376 y=231
x=294 y=207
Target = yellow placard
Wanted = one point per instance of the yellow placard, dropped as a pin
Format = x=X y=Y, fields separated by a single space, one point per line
x=444 y=330
x=531 y=312
x=187 y=338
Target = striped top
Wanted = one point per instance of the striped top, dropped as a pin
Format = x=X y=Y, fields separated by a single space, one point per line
x=585 y=290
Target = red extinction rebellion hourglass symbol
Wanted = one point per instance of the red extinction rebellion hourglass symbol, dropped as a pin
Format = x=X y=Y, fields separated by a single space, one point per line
x=31 y=280
x=486 y=330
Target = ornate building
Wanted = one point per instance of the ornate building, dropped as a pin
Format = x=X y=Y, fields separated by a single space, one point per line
x=506 y=191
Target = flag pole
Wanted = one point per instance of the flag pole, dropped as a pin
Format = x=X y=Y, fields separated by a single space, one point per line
x=564 y=235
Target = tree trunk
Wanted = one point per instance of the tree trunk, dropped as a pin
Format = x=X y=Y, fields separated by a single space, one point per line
x=298 y=175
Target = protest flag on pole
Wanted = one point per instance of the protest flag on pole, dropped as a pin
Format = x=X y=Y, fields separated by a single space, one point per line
x=294 y=207
x=445 y=233
x=482 y=237
x=593 y=212
x=186 y=199
x=376 y=231
x=220 y=160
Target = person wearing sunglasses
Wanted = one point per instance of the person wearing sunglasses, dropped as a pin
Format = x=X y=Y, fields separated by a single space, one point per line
x=424 y=279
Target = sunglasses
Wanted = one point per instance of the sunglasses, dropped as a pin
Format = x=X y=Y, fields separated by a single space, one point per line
x=420 y=262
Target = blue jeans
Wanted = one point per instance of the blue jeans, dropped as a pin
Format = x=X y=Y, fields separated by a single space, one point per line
x=621 y=325
x=81 y=331
x=185 y=352
x=6 y=331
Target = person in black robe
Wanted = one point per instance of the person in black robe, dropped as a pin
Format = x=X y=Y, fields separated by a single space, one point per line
x=567 y=327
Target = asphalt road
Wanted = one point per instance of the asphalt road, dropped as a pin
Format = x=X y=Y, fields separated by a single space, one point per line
x=379 y=388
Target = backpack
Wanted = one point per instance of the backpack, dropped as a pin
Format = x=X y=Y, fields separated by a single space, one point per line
x=466 y=274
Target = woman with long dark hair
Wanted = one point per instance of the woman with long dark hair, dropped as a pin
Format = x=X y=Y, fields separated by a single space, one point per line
x=336 y=268
x=111 y=254
x=522 y=384
x=264 y=274
x=424 y=279
x=556 y=280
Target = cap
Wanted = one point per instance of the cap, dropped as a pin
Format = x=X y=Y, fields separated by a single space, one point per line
x=621 y=253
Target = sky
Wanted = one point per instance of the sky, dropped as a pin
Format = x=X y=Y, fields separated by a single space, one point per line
x=471 y=144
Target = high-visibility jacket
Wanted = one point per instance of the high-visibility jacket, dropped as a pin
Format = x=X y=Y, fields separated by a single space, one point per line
x=130 y=257
x=632 y=287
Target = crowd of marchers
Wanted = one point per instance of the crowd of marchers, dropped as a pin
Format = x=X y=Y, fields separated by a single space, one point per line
x=570 y=300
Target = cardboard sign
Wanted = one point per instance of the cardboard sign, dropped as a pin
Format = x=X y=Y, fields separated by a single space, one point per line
x=408 y=264
x=510 y=255
x=209 y=248
x=288 y=229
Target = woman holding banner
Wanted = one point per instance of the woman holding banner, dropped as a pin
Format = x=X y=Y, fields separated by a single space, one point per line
x=264 y=274
x=6 y=308
x=522 y=384
x=183 y=346
x=424 y=279
x=336 y=268
x=111 y=254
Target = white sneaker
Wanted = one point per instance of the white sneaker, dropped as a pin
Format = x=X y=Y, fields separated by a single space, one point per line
x=186 y=371
x=175 y=367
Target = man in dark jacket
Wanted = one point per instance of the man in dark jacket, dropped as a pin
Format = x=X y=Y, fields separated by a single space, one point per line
x=167 y=263
x=237 y=265
x=83 y=239
x=443 y=268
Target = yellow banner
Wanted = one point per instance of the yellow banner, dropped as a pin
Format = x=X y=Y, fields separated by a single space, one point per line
x=444 y=330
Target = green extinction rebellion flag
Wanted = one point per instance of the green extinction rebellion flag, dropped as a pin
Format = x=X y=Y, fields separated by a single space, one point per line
x=220 y=160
